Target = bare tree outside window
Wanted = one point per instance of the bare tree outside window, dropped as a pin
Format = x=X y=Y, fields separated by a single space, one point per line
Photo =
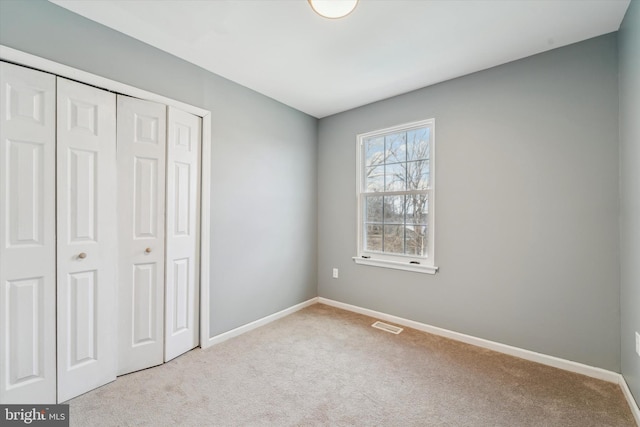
x=395 y=190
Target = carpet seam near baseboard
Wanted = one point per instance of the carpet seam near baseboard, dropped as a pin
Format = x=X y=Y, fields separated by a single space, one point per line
x=217 y=339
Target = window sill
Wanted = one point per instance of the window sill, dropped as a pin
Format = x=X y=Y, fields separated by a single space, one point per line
x=416 y=268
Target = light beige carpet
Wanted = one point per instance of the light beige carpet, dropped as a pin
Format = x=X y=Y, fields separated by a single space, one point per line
x=323 y=366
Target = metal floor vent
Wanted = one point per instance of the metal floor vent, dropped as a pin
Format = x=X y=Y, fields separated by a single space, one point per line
x=386 y=327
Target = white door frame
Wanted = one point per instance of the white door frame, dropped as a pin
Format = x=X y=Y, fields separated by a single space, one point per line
x=26 y=59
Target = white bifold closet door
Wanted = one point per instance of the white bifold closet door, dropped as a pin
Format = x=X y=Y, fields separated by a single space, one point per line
x=27 y=236
x=99 y=235
x=141 y=205
x=182 y=233
x=87 y=238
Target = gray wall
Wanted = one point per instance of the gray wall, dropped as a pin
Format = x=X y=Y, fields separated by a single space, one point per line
x=526 y=206
x=629 y=55
x=263 y=220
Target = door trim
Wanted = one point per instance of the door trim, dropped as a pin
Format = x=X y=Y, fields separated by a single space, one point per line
x=26 y=59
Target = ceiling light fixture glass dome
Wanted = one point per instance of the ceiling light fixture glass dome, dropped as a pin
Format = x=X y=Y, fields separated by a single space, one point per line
x=333 y=9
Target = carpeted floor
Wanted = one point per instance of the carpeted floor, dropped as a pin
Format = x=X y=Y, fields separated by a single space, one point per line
x=323 y=366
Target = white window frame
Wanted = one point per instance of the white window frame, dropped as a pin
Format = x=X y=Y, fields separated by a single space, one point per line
x=396 y=261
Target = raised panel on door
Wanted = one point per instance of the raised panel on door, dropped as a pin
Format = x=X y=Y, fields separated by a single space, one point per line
x=87 y=238
x=27 y=236
x=182 y=247
x=141 y=190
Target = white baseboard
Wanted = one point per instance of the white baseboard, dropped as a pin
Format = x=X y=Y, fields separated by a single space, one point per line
x=635 y=410
x=556 y=362
x=257 y=323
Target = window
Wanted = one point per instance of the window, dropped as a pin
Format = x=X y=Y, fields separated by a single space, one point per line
x=396 y=197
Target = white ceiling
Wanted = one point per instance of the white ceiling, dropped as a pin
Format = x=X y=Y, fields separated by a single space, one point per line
x=282 y=49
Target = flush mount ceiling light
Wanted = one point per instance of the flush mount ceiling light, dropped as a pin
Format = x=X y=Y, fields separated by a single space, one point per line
x=333 y=9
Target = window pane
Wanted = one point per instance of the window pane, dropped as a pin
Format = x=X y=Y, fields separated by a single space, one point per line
x=394 y=177
x=417 y=207
x=374 y=151
x=416 y=240
x=394 y=203
x=373 y=209
x=374 y=179
x=394 y=239
x=418 y=144
x=373 y=238
x=396 y=147
x=394 y=209
x=418 y=175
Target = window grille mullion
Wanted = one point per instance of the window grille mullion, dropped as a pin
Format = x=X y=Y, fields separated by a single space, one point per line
x=404 y=227
x=383 y=227
x=395 y=193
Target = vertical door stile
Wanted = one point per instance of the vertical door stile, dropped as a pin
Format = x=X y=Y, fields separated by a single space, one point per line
x=182 y=287
x=27 y=236
x=141 y=203
x=87 y=238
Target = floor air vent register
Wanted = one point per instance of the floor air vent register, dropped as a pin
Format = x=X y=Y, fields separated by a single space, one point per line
x=386 y=327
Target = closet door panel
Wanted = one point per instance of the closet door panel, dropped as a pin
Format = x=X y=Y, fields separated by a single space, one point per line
x=27 y=236
x=141 y=198
x=183 y=246
x=87 y=240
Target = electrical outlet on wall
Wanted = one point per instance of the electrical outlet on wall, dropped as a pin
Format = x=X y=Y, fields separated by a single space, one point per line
x=335 y=273
x=638 y=343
